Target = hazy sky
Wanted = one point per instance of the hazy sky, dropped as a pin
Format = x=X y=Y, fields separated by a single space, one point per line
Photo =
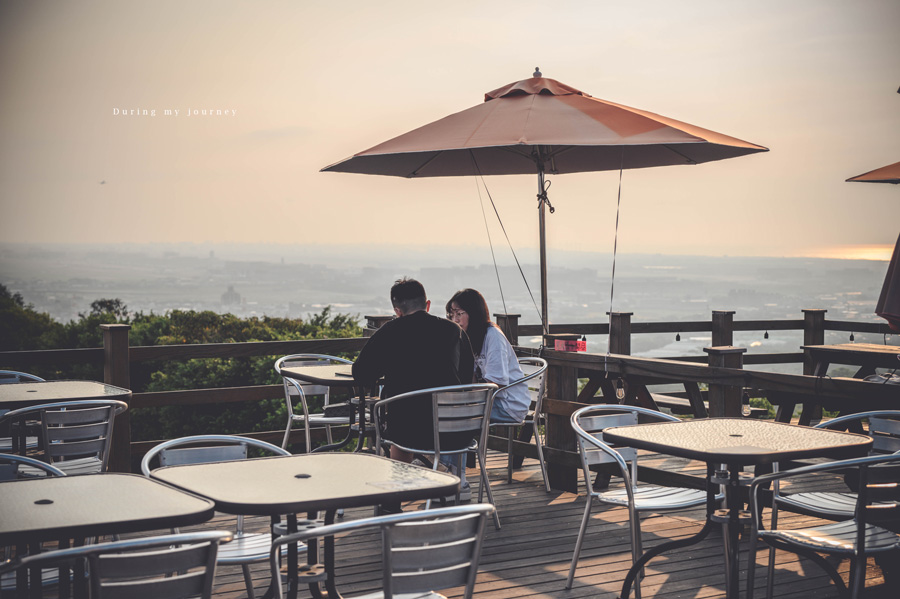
x=304 y=84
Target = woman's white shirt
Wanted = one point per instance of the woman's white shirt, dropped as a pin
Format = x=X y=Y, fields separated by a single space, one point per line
x=498 y=364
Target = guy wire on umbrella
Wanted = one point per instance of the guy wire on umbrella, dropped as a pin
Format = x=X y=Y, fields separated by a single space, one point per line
x=509 y=243
x=612 y=279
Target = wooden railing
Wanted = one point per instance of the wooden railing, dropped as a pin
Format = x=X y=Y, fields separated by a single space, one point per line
x=723 y=373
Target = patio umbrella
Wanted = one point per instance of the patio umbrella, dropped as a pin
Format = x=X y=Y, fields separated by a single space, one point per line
x=538 y=126
x=885 y=174
x=888 y=306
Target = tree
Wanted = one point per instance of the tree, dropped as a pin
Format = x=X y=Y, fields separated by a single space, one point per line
x=22 y=327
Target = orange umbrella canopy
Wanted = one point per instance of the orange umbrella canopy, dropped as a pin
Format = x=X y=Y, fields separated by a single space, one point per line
x=538 y=126
x=885 y=174
x=542 y=125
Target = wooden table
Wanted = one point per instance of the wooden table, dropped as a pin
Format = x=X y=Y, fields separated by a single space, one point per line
x=868 y=356
x=734 y=443
x=335 y=375
x=308 y=483
x=78 y=507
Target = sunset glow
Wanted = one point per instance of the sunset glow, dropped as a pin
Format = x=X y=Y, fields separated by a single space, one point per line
x=875 y=251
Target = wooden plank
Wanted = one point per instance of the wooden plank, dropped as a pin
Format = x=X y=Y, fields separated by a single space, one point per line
x=244 y=350
x=207 y=396
x=21 y=359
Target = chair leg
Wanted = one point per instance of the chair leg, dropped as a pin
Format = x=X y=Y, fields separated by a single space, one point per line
x=770 y=573
x=637 y=550
x=510 y=432
x=287 y=433
x=248 y=580
x=579 y=541
x=540 y=450
x=486 y=485
x=857 y=575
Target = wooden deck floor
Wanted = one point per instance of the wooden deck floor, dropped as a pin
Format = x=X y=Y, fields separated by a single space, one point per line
x=529 y=556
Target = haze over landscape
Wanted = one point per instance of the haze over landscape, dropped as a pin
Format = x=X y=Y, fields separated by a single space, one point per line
x=296 y=281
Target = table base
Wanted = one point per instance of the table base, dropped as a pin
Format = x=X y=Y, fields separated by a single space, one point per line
x=732 y=523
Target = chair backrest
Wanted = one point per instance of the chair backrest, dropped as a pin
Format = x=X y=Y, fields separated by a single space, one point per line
x=433 y=553
x=455 y=409
x=294 y=389
x=589 y=424
x=205 y=449
x=535 y=370
x=178 y=566
x=878 y=481
x=884 y=428
x=13 y=376
x=74 y=429
x=421 y=551
x=462 y=409
x=9 y=466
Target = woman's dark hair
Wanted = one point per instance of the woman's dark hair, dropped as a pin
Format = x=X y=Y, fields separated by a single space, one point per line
x=473 y=304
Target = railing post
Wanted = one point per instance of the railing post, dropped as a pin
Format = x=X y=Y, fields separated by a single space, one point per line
x=509 y=324
x=620 y=333
x=813 y=334
x=722 y=328
x=117 y=371
x=561 y=384
x=725 y=400
x=373 y=323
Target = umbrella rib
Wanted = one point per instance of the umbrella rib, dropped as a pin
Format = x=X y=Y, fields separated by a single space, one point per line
x=674 y=151
x=415 y=172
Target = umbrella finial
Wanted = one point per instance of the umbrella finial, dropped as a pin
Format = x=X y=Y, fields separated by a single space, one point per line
x=537 y=72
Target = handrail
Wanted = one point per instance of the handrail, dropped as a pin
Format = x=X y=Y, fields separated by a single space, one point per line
x=117 y=356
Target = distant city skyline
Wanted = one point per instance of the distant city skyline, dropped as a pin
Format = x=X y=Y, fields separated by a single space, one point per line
x=208 y=121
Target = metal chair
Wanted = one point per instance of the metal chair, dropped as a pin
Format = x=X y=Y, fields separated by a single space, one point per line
x=422 y=551
x=75 y=435
x=14 y=376
x=588 y=424
x=878 y=500
x=178 y=566
x=294 y=389
x=534 y=370
x=11 y=377
x=246 y=548
x=884 y=428
x=9 y=464
x=463 y=409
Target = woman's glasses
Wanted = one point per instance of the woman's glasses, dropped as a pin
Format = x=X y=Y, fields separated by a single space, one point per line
x=454 y=314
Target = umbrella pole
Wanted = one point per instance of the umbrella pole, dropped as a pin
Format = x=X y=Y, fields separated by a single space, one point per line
x=542 y=231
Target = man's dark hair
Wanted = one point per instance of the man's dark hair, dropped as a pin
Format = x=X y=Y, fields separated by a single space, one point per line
x=408 y=295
